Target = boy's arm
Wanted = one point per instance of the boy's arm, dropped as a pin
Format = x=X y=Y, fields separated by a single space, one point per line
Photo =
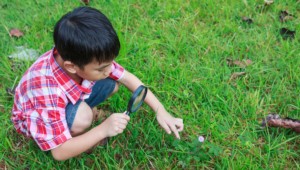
x=167 y=121
x=112 y=126
x=78 y=144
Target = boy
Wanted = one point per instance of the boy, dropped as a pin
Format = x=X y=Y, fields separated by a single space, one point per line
x=54 y=99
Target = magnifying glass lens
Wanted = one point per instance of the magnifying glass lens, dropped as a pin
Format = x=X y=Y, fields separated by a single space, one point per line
x=136 y=99
x=137 y=102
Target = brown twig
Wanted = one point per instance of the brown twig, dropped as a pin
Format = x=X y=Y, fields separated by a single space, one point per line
x=274 y=120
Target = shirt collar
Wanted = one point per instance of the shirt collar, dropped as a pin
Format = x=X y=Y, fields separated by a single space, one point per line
x=72 y=89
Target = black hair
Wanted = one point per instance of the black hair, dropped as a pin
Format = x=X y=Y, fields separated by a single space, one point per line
x=85 y=34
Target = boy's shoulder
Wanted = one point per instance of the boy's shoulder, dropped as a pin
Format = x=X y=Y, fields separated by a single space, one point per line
x=39 y=73
x=41 y=65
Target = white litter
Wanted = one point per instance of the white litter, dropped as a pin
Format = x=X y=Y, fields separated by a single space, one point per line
x=24 y=54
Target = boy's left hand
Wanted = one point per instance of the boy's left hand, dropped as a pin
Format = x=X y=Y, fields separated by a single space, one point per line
x=170 y=123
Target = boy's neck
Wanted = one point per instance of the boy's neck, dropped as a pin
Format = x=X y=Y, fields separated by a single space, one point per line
x=60 y=62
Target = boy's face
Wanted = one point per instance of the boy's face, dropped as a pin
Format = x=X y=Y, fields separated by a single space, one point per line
x=95 y=71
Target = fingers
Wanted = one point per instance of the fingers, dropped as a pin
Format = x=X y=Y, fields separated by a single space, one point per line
x=122 y=125
x=122 y=122
x=125 y=116
x=179 y=124
x=121 y=116
x=116 y=123
x=166 y=127
x=174 y=129
x=119 y=130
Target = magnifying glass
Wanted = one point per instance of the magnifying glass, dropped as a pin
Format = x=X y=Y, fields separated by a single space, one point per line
x=136 y=99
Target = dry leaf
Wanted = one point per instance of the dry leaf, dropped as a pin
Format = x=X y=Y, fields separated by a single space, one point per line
x=247 y=20
x=285 y=16
x=16 y=33
x=86 y=2
x=229 y=62
x=242 y=64
x=236 y=75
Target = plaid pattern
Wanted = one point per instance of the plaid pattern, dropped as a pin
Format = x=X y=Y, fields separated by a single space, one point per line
x=41 y=97
x=117 y=72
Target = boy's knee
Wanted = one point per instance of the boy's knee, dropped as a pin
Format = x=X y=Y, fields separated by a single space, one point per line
x=83 y=119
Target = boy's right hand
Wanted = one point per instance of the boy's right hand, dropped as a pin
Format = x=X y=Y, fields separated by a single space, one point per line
x=115 y=124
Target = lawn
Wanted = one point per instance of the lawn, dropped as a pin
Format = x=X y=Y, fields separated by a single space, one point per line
x=221 y=65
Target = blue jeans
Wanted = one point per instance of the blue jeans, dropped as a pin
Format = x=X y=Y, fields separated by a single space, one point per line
x=100 y=91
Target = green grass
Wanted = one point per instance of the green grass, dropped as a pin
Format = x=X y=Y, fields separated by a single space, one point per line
x=179 y=49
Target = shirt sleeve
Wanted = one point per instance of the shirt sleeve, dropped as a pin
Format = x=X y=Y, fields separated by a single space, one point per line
x=117 y=72
x=47 y=132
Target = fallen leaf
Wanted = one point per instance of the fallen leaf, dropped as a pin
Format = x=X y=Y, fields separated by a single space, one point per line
x=229 y=62
x=285 y=16
x=236 y=75
x=86 y=2
x=242 y=64
x=16 y=33
x=287 y=34
x=247 y=20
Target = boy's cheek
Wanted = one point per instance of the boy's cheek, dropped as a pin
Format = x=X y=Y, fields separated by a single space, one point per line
x=101 y=77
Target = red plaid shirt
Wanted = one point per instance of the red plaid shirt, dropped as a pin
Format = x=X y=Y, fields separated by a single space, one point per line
x=41 y=98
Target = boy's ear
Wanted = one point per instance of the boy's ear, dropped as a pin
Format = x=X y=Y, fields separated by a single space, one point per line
x=70 y=67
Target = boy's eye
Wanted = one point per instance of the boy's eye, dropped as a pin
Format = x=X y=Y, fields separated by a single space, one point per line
x=104 y=68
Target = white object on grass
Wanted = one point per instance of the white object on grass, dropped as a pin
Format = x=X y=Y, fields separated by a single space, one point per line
x=24 y=54
x=201 y=139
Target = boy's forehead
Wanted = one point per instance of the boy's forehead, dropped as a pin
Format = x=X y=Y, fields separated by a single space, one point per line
x=103 y=63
